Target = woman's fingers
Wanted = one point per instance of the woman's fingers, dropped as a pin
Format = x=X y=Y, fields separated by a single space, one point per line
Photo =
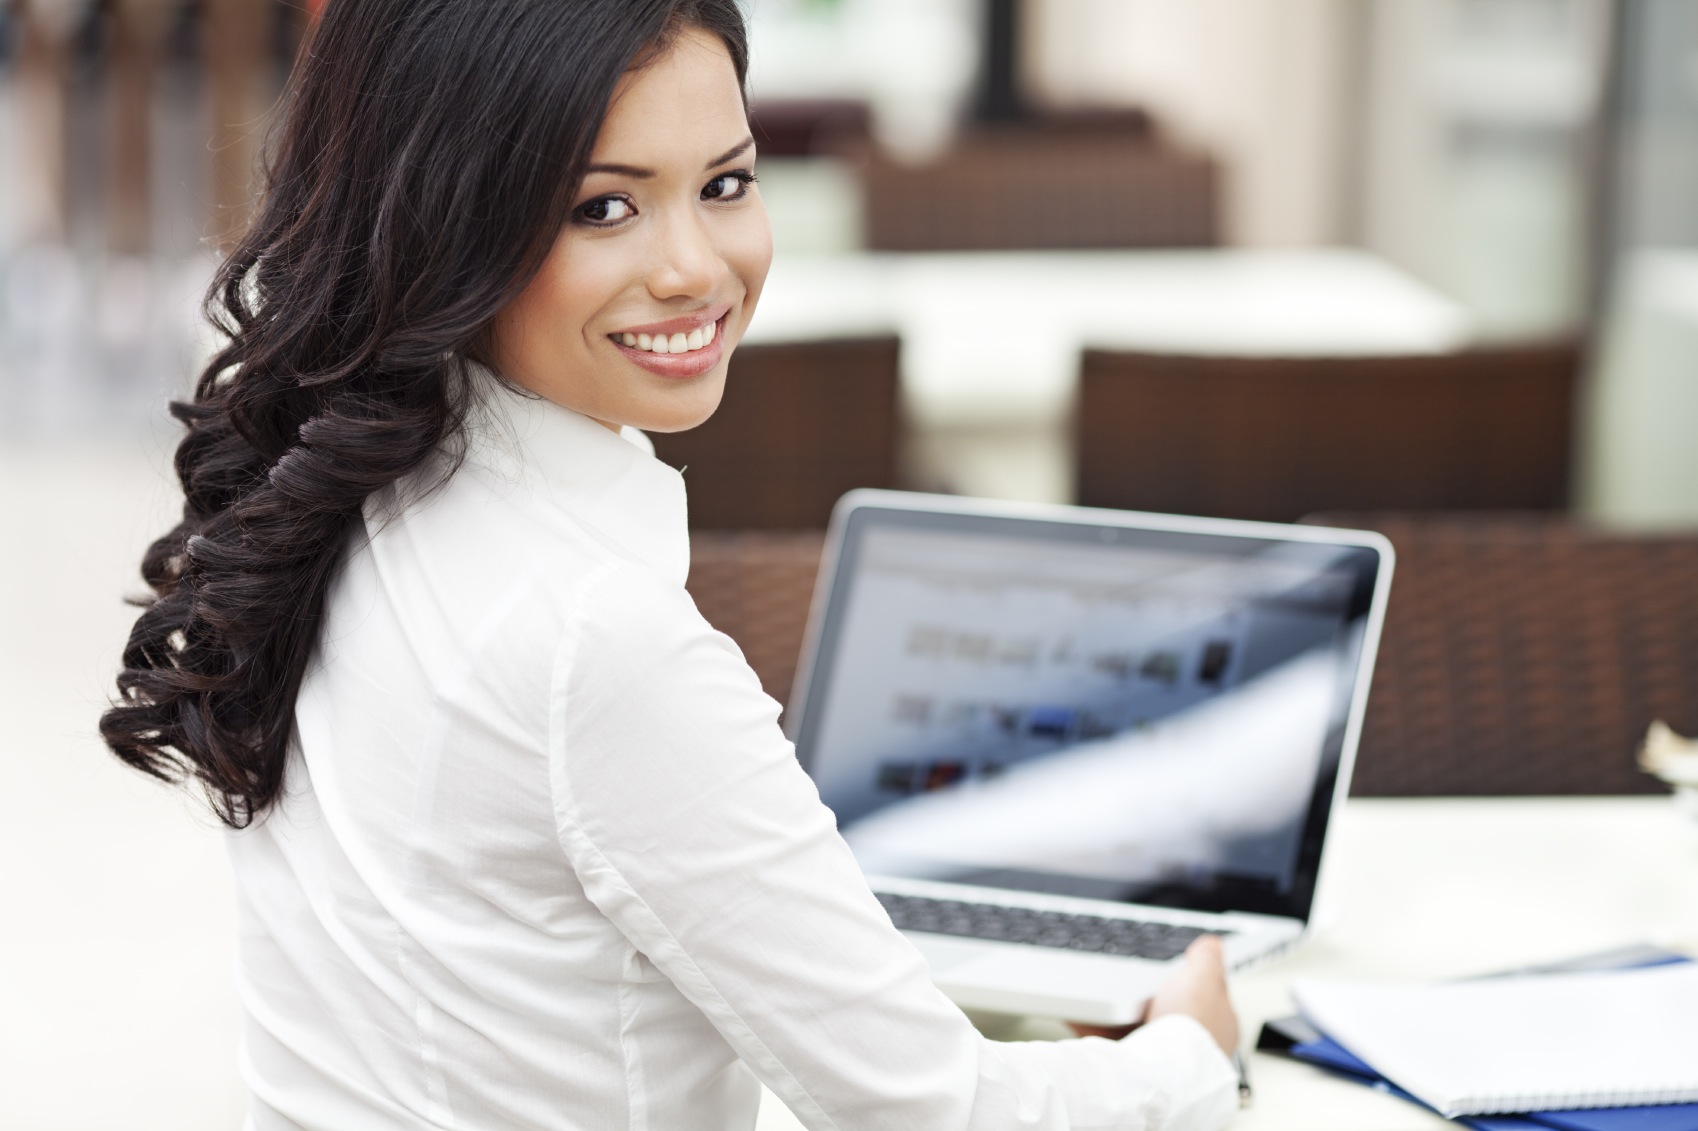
x=1197 y=988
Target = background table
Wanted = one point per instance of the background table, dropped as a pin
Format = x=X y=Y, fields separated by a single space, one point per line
x=1429 y=889
x=991 y=340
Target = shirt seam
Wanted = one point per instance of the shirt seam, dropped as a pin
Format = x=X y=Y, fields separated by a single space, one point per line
x=562 y=797
x=636 y=1106
x=655 y=924
x=425 y=1014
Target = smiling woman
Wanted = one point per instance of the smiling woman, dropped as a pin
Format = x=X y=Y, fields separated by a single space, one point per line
x=517 y=839
x=651 y=283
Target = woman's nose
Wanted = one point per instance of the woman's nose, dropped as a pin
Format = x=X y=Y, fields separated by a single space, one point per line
x=687 y=265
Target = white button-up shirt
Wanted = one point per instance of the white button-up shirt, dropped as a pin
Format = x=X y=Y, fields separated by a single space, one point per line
x=545 y=859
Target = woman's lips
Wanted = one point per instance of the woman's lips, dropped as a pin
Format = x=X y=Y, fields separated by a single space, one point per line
x=690 y=363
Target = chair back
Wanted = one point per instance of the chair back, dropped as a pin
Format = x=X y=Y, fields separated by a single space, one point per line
x=1526 y=654
x=800 y=424
x=1277 y=438
x=756 y=587
x=1523 y=653
x=1014 y=188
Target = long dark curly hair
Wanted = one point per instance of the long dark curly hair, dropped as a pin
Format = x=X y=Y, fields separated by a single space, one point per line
x=426 y=155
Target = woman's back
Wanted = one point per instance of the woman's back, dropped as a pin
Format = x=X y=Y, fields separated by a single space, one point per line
x=416 y=950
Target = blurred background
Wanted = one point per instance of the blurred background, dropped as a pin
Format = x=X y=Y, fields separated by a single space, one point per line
x=1426 y=265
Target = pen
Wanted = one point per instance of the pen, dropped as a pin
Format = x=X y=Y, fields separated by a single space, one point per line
x=1244 y=1093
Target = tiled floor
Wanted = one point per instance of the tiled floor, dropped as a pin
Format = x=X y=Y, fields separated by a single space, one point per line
x=117 y=1009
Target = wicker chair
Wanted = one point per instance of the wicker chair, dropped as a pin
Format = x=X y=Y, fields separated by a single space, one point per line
x=1055 y=184
x=1526 y=654
x=809 y=127
x=1278 y=438
x=756 y=587
x=800 y=424
x=1523 y=654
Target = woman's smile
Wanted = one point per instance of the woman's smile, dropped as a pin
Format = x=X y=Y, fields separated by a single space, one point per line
x=677 y=347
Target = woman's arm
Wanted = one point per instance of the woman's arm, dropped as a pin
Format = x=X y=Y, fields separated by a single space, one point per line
x=693 y=828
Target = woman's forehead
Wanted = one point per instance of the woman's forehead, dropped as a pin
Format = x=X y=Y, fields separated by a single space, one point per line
x=684 y=100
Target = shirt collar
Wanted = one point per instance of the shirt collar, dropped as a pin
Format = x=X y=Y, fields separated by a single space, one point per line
x=611 y=482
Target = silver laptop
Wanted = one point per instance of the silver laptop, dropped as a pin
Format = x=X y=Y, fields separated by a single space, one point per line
x=1064 y=742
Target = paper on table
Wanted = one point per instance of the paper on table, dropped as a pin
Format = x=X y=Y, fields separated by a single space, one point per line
x=1608 y=1039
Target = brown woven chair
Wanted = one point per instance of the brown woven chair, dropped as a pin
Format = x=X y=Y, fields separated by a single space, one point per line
x=1053 y=185
x=756 y=587
x=1278 y=438
x=1526 y=654
x=809 y=127
x=1523 y=654
x=800 y=425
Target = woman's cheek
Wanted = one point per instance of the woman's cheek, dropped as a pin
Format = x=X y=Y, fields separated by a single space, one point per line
x=752 y=257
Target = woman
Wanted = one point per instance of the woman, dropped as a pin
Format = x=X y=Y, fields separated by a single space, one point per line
x=519 y=841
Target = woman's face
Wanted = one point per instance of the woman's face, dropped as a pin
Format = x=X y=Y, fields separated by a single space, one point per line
x=652 y=282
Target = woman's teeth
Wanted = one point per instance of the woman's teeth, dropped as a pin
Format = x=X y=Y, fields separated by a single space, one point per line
x=672 y=343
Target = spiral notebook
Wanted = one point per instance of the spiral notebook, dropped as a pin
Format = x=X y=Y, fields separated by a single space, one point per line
x=1329 y=1054
x=1535 y=1043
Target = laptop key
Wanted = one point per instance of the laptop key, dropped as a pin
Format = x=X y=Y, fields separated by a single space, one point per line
x=1131 y=938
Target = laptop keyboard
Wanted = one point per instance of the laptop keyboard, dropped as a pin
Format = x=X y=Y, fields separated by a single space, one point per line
x=1128 y=937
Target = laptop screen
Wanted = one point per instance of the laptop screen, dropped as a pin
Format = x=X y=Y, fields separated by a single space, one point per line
x=1113 y=711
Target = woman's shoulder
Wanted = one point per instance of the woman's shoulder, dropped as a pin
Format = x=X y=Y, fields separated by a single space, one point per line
x=472 y=518
x=474 y=539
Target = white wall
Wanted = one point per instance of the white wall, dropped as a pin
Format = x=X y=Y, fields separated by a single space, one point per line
x=1447 y=135
x=1475 y=126
x=1265 y=85
x=1642 y=470
x=913 y=61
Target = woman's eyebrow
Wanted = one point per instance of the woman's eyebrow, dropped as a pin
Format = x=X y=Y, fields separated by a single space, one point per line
x=637 y=172
x=737 y=150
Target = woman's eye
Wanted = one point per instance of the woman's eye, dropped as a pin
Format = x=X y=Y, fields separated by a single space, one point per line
x=606 y=210
x=728 y=186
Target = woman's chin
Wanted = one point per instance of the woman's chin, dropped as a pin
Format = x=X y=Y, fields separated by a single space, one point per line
x=683 y=408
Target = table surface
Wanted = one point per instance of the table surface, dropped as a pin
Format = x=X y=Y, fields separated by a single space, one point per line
x=1439 y=888
x=995 y=336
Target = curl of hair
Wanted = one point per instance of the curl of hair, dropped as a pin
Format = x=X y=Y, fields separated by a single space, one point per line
x=427 y=153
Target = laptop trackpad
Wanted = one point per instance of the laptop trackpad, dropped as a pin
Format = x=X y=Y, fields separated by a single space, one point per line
x=1010 y=978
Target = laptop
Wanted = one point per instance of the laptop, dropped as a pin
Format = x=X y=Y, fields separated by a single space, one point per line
x=1063 y=742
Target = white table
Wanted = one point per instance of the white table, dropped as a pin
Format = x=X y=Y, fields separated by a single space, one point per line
x=1430 y=889
x=991 y=340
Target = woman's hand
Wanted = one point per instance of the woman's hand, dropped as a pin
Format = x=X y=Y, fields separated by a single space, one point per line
x=1198 y=989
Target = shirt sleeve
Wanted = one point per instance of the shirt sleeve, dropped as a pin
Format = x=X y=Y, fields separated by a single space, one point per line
x=693 y=828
